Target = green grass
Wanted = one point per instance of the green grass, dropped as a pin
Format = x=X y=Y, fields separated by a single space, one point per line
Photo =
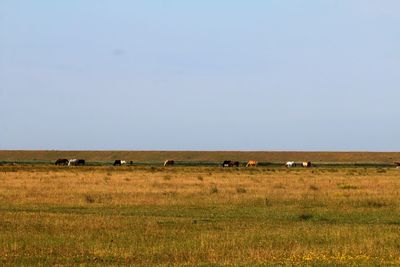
x=178 y=234
x=155 y=216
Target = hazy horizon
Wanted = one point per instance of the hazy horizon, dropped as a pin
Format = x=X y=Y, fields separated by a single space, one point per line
x=200 y=76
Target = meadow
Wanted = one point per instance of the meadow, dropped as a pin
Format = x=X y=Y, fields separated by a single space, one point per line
x=203 y=216
x=198 y=157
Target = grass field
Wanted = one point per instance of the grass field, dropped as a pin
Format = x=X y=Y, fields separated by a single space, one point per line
x=187 y=216
x=155 y=157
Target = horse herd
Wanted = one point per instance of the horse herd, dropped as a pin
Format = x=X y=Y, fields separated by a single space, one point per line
x=250 y=163
x=306 y=164
x=70 y=162
x=170 y=162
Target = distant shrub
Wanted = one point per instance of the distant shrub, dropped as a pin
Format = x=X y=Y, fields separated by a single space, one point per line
x=214 y=189
x=170 y=193
x=98 y=198
x=241 y=190
x=346 y=186
x=89 y=199
x=305 y=217
x=375 y=204
x=200 y=178
x=313 y=187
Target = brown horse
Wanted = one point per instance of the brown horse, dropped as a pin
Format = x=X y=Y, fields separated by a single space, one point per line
x=169 y=162
x=252 y=163
x=62 y=162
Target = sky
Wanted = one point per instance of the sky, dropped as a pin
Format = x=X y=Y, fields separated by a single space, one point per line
x=200 y=75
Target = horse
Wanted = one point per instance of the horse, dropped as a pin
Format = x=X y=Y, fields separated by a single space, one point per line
x=252 y=163
x=72 y=162
x=62 y=162
x=169 y=162
x=229 y=163
x=307 y=164
x=119 y=162
x=76 y=162
x=290 y=164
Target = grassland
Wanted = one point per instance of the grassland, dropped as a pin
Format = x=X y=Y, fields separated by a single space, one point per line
x=202 y=156
x=185 y=216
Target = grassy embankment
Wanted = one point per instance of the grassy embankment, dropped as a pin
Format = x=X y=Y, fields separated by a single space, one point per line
x=198 y=215
x=203 y=157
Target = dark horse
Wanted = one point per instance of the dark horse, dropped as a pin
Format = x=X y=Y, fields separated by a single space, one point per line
x=80 y=162
x=77 y=162
x=62 y=162
x=229 y=163
x=169 y=162
x=119 y=162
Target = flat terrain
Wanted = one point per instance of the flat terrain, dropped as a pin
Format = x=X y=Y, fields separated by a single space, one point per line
x=202 y=156
x=185 y=216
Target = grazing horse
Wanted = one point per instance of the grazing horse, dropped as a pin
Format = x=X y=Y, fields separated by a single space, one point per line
x=252 y=163
x=76 y=162
x=229 y=163
x=169 y=162
x=72 y=162
x=62 y=162
x=307 y=164
x=119 y=162
x=290 y=164
x=397 y=165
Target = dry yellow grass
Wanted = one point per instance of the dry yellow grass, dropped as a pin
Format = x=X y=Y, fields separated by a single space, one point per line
x=198 y=215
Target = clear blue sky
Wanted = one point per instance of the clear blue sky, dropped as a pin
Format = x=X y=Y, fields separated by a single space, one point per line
x=200 y=75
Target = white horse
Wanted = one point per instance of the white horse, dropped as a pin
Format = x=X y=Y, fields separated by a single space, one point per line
x=307 y=164
x=123 y=162
x=290 y=164
x=72 y=162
